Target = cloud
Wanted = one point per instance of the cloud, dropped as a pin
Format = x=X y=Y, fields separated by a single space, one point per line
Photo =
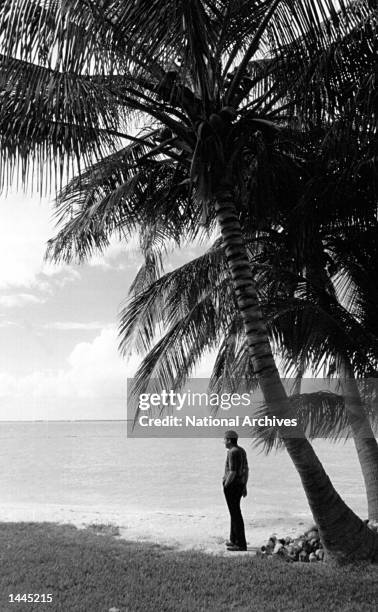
x=25 y=227
x=59 y=275
x=17 y=300
x=75 y=325
x=26 y=224
x=93 y=385
x=6 y=323
x=118 y=255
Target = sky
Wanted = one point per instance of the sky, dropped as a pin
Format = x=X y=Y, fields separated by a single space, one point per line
x=58 y=323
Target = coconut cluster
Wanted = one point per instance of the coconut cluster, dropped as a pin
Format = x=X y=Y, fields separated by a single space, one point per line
x=373 y=525
x=305 y=548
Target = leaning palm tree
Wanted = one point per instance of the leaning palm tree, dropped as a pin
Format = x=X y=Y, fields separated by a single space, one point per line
x=322 y=331
x=198 y=76
x=331 y=276
x=307 y=325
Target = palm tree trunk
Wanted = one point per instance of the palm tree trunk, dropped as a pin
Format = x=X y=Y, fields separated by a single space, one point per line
x=345 y=536
x=363 y=435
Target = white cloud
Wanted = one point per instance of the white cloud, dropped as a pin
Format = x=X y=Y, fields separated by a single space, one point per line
x=60 y=275
x=92 y=386
x=6 y=323
x=118 y=255
x=25 y=227
x=20 y=299
x=74 y=325
x=26 y=224
x=7 y=385
x=109 y=257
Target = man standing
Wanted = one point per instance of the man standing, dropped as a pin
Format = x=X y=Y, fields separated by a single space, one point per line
x=235 y=487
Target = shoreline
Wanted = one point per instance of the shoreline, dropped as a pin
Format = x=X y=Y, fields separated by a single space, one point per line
x=191 y=530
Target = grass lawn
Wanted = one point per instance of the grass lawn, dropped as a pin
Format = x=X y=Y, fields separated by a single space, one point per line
x=90 y=572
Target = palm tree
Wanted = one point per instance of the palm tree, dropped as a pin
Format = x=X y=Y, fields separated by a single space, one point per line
x=340 y=263
x=361 y=264
x=195 y=307
x=76 y=74
x=346 y=253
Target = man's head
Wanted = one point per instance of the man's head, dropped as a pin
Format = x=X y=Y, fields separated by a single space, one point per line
x=230 y=438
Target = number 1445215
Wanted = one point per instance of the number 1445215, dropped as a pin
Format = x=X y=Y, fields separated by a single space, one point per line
x=30 y=597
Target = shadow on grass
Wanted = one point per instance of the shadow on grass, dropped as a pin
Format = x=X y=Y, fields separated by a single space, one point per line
x=88 y=573
x=104 y=529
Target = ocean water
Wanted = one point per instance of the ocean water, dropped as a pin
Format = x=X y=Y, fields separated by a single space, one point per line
x=93 y=463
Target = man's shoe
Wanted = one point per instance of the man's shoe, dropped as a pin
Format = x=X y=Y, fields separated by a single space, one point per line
x=235 y=548
x=229 y=543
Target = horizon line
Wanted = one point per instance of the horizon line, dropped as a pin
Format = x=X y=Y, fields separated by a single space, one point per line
x=64 y=420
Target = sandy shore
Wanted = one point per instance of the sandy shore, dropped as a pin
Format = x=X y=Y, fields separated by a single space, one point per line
x=184 y=531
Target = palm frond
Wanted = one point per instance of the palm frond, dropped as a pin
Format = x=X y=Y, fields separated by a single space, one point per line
x=49 y=118
x=339 y=71
x=170 y=299
x=107 y=199
x=308 y=327
x=321 y=414
x=173 y=358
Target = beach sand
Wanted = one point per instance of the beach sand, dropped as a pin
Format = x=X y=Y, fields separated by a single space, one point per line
x=162 y=491
x=200 y=531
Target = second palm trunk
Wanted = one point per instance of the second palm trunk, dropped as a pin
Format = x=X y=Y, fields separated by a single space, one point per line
x=333 y=517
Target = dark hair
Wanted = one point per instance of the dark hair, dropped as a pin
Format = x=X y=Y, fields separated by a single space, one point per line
x=232 y=435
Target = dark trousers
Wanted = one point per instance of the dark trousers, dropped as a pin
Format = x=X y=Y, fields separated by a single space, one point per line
x=233 y=495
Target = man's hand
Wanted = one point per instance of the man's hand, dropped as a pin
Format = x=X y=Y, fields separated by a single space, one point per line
x=244 y=493
x=229 y=479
